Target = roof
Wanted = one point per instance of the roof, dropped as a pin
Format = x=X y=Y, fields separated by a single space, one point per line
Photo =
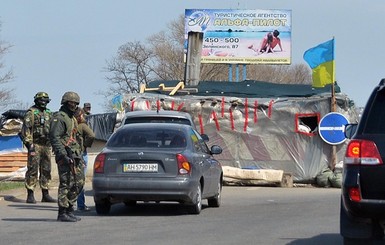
x=250 y=88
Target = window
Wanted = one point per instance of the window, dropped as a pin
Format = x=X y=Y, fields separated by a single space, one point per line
x=199 y=143
x=376 y=116
x=307 y=123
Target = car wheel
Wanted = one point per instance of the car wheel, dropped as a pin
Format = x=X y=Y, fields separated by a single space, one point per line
x=355 y=241
x=377 y=231
x=215 y=201
x=197 y=203
x=354 y=230
x=131 y=203
x=102 y=207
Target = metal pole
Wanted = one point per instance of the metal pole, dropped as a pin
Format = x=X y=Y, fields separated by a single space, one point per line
x=333 y=158
x=237 y=72
x=244 y=72
x=230 y=72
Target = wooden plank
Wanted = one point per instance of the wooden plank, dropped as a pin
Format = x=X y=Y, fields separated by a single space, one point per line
x=13 y=159
x=8 y=169
x=13 y=164
x=15 y=154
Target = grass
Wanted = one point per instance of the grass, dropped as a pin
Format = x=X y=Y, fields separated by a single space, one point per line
x=9 y=185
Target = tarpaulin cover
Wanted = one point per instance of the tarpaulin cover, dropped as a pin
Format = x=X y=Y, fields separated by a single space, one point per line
x=257 y=132
x=102 y=124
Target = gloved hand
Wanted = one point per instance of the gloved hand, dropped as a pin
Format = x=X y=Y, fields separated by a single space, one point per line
x=31 y=149
x=65 y=160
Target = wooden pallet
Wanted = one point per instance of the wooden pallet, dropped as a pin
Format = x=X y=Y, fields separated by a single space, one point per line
x=11 y=162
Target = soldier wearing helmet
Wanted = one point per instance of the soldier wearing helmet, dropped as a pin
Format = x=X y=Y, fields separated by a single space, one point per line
x=35 y=136
x=66 y=144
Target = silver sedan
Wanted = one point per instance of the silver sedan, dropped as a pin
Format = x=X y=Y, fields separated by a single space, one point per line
x=157 y=162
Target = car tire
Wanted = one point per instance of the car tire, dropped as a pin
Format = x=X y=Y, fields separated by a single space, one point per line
x=356 y=241
x=102 y=207
x=216 y=201
x=377 y=231
x=353 y=230
x=196 y=207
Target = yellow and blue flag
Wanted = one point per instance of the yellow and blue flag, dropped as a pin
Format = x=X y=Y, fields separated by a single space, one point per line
x=321 y=61
x=117 y=102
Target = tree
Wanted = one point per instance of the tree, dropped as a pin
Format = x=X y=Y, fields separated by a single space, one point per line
x=131 y=67
x=168 y=49
x=6 y=76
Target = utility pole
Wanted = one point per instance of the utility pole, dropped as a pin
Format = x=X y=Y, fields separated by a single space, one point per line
x=193 y=62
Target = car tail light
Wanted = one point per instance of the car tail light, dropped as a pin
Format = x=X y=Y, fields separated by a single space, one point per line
x=355 y=194
x=362 y=152
x=99 y=163
x=184 y=166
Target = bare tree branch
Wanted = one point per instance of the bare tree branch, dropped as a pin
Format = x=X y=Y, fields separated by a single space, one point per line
x=6 y=76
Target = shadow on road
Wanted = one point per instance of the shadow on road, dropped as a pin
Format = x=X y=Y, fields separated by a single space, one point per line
x=320 y=239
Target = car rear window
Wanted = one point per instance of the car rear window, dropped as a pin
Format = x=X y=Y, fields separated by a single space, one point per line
x=375 y=122
x=146 y=137
x=157 y=120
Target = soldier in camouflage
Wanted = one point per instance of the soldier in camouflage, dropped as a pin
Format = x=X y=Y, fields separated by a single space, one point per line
x=65 y=141
x=35 y=136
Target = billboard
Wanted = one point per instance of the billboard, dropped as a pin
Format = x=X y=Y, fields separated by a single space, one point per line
x=233 y=36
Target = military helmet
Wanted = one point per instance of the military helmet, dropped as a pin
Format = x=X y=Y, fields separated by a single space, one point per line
x=70 y=96
x=41 y=99
x=41 y=95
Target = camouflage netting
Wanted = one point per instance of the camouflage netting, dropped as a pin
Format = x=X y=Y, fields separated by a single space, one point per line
x=258 y=133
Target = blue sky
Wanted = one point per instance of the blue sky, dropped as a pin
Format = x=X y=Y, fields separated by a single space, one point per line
x=63 y=45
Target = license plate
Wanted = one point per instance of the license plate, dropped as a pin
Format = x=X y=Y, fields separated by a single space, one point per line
x=140 y=167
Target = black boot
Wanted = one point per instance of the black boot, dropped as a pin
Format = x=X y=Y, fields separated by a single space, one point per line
x=46 y=197
x=70 y=213
x=30 y=197
x=64 y=217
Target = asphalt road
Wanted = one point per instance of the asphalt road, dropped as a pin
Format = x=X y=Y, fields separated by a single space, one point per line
x=248 y=215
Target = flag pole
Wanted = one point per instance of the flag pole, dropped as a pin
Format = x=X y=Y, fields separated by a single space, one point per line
x=333 y=96
x=333 y=108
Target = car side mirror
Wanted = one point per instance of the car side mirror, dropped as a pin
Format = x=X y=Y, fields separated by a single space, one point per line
x=216 y=149
x=350 y=130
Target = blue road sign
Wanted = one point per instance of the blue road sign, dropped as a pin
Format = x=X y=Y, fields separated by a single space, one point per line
x=332 y=128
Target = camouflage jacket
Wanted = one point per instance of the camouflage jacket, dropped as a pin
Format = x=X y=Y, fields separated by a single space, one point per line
x=64 y=134
x=86 y=134
x=36 y=126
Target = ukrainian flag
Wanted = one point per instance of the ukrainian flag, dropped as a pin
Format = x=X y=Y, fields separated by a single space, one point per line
x=117 y=102
x=321 y=61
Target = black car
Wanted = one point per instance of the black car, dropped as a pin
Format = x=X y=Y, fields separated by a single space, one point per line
x=157 y=162
x=362 y=215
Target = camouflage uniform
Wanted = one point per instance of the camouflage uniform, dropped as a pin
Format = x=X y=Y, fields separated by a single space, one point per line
x=35 y=136
x=87 y=137
x=65 y=141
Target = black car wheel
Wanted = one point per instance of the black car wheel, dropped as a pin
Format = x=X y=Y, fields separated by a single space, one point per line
x=197 y=203
x=215 y=201
x=102 y=207
x=355 y=241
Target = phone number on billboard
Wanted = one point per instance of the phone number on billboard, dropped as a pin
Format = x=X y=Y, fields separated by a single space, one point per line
x=226 y=40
